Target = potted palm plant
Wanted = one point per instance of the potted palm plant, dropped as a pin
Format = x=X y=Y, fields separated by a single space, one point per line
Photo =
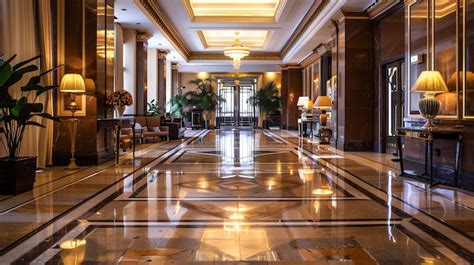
x=178 y=104
x=267 y=99
x=204 y=97
x=154 y=108
x=17 y=174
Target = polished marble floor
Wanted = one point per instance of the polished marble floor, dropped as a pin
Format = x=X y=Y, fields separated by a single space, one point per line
x=239 y=197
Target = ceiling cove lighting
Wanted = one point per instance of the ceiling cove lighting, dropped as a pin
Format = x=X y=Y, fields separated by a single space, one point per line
x=237 y=51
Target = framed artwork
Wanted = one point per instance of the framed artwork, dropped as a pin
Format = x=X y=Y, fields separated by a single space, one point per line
x=63 y=102
x=333 y=86
x=329 y=88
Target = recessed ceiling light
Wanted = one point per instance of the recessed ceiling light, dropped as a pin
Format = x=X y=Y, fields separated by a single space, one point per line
x=159 y=44
x=139 y=23
x=124 y=9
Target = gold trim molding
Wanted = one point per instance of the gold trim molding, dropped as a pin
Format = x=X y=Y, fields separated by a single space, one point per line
x=264 y=56
x=158 y=16
x=152 y=9
x=234 y=19
x=309 y=18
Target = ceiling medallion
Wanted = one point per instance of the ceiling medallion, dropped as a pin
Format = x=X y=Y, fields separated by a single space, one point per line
x=237 y=51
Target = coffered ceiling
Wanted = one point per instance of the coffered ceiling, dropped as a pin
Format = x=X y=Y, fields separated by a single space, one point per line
x=218 y=11
x=276 y=31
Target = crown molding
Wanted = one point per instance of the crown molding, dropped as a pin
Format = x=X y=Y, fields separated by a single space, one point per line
x=290 y=66
x=343 y=15
x=159 y=18
x=265 y=56
x=233 y=19
x=154 y=12
x=381 y=7
x=308 y=19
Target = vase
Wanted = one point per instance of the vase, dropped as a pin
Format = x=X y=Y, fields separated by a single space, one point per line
x=120 y=110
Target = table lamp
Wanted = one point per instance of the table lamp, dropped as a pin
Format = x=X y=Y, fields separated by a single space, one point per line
x=73 y=84
x=302 y=102
x=323 y=103
x=430 y=83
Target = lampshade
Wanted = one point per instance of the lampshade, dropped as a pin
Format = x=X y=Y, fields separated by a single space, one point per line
x=90 y=85
x=302 y=101
x=469 y=80
x=323 y=102
x=72 y=83
x=430 y=82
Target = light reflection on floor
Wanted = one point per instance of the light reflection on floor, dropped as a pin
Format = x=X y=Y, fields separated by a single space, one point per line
x=243 y=196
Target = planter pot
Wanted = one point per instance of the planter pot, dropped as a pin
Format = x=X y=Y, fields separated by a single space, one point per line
x=17 y=176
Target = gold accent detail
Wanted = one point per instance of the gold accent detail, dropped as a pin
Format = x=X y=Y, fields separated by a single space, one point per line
x=158 y=16
x=220 y=56
x=312 y=14
x=238 y=17
x=211 y=39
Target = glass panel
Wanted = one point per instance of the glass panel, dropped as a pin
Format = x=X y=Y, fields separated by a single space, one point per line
x=418 y=47
x=469 y=75
x=227 y=107
x=246 y=109
x=445 y=52
x=316 y=80
x=392 y=85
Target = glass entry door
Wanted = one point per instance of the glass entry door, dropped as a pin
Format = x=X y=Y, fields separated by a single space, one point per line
x=395 y=91
x=236 y=110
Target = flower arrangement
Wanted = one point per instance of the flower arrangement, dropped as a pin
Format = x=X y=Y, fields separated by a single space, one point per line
x=120 y=98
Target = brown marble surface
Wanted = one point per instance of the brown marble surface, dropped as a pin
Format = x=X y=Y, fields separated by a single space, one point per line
x=250 y=197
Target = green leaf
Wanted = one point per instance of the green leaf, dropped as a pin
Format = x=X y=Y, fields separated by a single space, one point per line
x=21 y=64
x=11 y=59
x=7 y=105
x=48 y=116
x=20 y=104
x=31 y=87
x=5 y=73
x=51 y=70
x=45 y=89
x=34 y=123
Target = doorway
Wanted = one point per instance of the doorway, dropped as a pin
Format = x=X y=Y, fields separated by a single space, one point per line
x=394 y=86
x=236 y=111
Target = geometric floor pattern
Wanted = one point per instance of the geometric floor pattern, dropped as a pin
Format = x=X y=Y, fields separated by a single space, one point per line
x=253 y=197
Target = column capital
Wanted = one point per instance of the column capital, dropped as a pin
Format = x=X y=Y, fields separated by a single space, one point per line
x=162 y=54
x=342 y=15
x=175 y=65
x=290 y=66
x=143 y=37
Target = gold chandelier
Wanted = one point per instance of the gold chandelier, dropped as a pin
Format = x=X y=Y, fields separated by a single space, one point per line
x=237 y=51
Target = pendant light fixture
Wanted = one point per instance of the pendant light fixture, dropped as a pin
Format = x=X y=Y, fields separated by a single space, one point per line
x=237 y=51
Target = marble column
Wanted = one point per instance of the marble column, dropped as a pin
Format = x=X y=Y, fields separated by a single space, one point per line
x=291 y=90
x=354 y=103
x=141 y=79
x=85 y=40
x=174 y=79
x=161 y=77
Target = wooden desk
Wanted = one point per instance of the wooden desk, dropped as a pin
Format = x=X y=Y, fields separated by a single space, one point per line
x=117 y=124
x=429 y=136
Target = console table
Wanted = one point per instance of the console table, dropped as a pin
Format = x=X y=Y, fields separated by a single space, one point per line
x=429 y=135
x=116 y=123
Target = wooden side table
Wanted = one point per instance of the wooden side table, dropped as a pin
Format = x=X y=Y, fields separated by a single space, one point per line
x=117 y=124
x=429 y=136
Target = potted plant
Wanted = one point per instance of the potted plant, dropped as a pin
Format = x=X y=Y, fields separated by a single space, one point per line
x=17 y=174
x=177 y=105
x=118 y=101
x=268 y=101
x=154 y=109
x=204 y=97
